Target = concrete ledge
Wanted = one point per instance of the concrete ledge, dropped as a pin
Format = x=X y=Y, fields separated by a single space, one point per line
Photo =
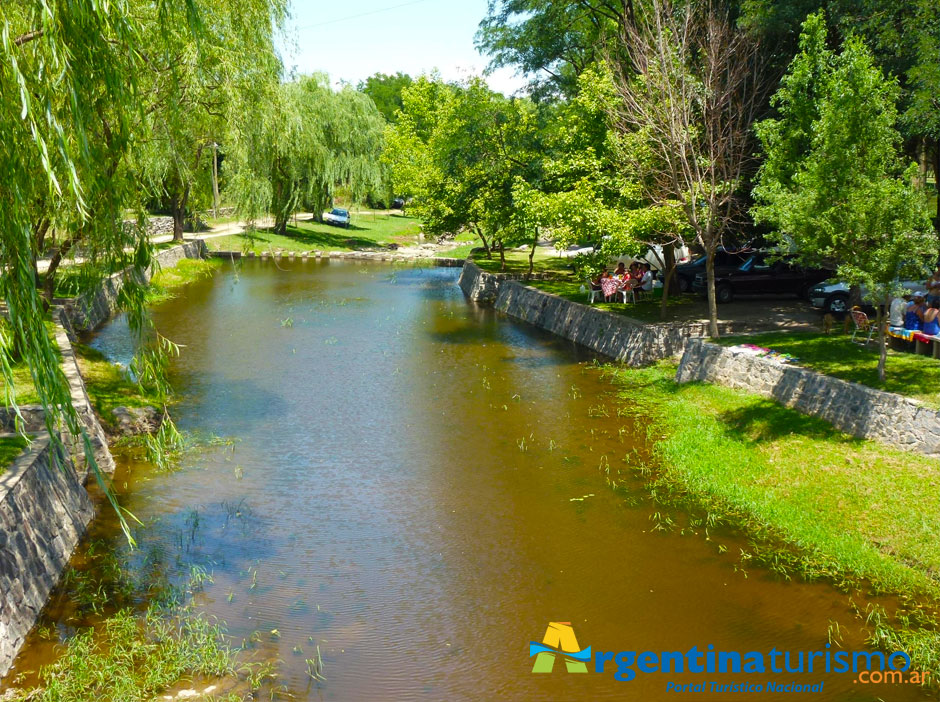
x=854 y=409
x=43 y=513
x=389 y=256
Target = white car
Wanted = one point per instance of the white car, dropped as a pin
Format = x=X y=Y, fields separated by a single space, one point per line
x=833 y=296
x=338 y=217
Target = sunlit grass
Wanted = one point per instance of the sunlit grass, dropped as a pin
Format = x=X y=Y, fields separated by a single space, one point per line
x=166 y=282
x=10 y=449
x=855 y=509
x=109 y=385
x=367 y=231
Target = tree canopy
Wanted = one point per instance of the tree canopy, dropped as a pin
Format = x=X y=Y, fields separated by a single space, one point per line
x=833 y=183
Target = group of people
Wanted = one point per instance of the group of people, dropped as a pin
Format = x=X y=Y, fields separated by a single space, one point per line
x=919 y=311
x=639 y=277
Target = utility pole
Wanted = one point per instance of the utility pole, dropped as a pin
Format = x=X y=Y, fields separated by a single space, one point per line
x=215 y=179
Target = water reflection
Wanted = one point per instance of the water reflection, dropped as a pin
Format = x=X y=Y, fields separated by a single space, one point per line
x=418 y=487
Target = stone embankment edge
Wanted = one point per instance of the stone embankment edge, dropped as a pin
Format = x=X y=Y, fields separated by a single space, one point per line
x=616 y=336
x=854 y=409
x=44 y=508
x=857 y=410
x=94 y=309
x=390 y=256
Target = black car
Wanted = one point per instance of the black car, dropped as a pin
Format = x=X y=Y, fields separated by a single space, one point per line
x=725 y=261
x=764 y=274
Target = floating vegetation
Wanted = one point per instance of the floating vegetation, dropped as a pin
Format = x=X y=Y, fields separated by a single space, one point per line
x=315 y=667
x=288 y=322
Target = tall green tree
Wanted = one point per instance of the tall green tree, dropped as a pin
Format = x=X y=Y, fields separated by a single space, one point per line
x=551 y=42
x=306 y=141
x=833 y=183
x=460 y=152
x=690 y=86
x=385 y=91
x=190 y=89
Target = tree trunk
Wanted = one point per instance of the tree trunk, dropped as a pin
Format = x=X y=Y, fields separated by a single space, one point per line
x=882 y=339
x=855 y=296
x=936 y=178
x=922 y=163
x=486 y=247
x=502 y=256
x=280 y=224
x=39 y=241
x=48 y=285
x=179 y=214
x=710 y=275
x=668 y=282
x=535 y=243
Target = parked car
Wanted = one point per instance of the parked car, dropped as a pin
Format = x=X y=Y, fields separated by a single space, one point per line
x=398 y=203
x=764 y=274
x=725 y=261
x=832 y=296
x=338 y=217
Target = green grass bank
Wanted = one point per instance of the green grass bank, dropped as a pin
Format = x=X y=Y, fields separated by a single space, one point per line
x=815 y=502
x=10 y=448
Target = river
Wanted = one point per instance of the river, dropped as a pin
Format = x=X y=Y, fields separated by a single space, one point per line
x=419 y=486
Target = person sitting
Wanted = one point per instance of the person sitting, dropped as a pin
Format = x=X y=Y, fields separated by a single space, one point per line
x=931 y=325
x=896 y=310
x=645 y=283
x=621 y=270
x=933 y=286
x=913 y=315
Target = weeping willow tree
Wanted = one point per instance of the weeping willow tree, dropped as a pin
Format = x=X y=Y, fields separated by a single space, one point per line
x=75 y=106
x=191 y=88
x=306 y=141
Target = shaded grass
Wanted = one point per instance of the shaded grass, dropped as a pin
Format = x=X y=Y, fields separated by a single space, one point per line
x=517 y=263
x=907 y=374
x=109 y=386
x=10 y=449
x=646 y=308
x=816 y=502
x=165 y=283
x=367 y=231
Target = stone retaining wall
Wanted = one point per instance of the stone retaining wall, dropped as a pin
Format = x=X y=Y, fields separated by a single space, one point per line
x=357 y=255
x=852 y=408
x=92 y=310
x=43 y=513
x=617 y=336
x=44 y=507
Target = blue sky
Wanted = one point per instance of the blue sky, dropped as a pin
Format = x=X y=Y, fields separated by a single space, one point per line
x=353 y=39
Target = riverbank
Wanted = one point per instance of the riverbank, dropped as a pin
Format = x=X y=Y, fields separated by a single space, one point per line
x=815 y=502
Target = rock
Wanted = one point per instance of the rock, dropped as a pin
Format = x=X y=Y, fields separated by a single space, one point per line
x=131 y=421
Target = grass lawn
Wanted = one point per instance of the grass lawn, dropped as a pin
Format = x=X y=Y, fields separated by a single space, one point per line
x=165 y=283
x=851 y=511
x=908 y=374
x=10 y=448
x=108 y=385
x=367 y=231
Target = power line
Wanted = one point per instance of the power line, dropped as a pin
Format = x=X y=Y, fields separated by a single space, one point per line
x=362 y=14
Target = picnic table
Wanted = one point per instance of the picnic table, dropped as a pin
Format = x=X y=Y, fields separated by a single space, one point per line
x=610 y=286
